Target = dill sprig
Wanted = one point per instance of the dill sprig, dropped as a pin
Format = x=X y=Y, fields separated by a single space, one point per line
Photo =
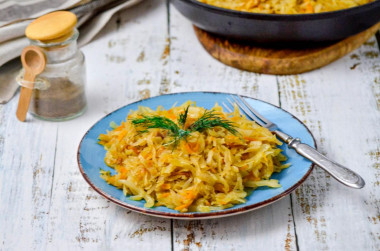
x=182 y=118
x=150 y=122
x=208 y=120
x=211 y=119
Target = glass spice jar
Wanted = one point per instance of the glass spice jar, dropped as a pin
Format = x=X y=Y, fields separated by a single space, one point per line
x=59 y=91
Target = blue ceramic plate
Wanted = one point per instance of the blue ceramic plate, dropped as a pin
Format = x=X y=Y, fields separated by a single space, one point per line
x=91 y=156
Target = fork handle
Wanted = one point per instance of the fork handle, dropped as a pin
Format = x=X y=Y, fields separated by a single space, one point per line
x=339 y=172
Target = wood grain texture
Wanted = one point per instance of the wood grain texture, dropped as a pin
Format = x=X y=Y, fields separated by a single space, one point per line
x=149 y=50
x=281 y=60
x=270 y=228
x=44 y=198
x=341 y=111
x=26 y=171
x=113 y=81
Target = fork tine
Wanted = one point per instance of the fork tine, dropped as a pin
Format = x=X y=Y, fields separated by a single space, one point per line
x=253 y=111
x=227 y=108
x=246 y=111
x=233 y=104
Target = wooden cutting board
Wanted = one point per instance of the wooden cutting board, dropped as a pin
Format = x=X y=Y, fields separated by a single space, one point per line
x=279 y=61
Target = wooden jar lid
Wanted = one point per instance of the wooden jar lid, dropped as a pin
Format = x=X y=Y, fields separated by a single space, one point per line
x=52 y=26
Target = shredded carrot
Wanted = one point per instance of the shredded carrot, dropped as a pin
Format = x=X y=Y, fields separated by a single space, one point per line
x=243 y=168
x=192 y=147
x=120 y=127
x=111 y=179
x=170 y=114
x=121 y=169
x=232 y=137
x=166 y=186
x=188 y=149
x=134 y=149
x=196 y=147
x=160 y=150
x=149 y=162
x=235 y=118
x=249 y=138
x=222 y=202
x=147 y=155
x=309 y=8
x=121 y=135
x=179 y=208
x=163 y=195
x=166 y=158
x=190 y=195
x=189 y=121
x=123 y=176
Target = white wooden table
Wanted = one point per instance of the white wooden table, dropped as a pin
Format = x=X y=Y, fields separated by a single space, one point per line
x=149 y=50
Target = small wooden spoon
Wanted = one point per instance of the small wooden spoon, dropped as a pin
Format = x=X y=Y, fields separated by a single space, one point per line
x=34 y=62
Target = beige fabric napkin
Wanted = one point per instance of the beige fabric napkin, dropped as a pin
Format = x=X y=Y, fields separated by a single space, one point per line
x=14 y=11
x=8 y=85
x=91 y=19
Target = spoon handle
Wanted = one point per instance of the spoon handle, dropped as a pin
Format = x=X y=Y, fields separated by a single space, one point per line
x=25 y=96
x=34 y=61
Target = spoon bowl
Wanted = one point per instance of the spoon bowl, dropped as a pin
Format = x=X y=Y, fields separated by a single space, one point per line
x=33 y=59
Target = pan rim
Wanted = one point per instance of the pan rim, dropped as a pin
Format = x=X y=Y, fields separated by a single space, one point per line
x=284 y=17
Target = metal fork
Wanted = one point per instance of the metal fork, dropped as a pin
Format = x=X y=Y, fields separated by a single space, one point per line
x=339 y=172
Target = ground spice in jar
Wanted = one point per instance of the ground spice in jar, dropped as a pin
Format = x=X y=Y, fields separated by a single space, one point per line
x=59 y=91
x=61 y=99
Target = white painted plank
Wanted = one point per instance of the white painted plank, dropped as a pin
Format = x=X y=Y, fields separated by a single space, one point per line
x=340 y=105
x=77 y=217
x=268 y=228
x=80 y=218
x=27 y=152
x=192 y=69
x=135 y=58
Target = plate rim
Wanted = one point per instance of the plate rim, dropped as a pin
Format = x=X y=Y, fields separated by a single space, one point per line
x=194 y=216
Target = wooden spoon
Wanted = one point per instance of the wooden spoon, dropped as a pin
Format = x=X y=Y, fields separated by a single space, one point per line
x=34 y=62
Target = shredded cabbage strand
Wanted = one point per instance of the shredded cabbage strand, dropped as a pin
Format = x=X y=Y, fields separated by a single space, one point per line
x=210 y=170
x=286 y=6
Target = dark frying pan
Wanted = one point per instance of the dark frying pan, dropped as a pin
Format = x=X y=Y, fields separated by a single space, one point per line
x=275 y=28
